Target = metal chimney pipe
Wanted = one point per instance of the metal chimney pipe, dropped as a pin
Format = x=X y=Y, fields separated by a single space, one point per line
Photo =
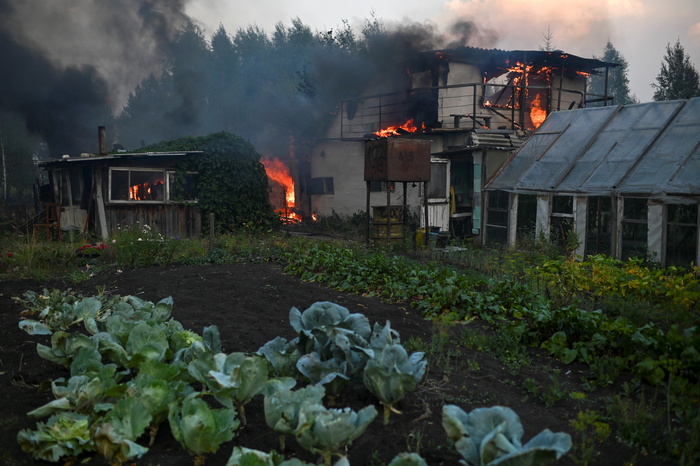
x=102 y=140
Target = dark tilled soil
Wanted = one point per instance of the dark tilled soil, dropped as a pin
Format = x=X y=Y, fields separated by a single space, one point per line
x=250 y=304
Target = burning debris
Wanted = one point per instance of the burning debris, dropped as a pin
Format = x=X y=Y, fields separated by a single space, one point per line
x=408 y=127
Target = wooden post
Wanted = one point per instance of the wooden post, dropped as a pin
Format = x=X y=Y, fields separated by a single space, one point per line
x=100 y=205
x=368 y=215
x=211 y=232
x=427 y=232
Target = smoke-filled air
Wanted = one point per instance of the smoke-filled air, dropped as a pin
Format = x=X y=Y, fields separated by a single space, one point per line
x=147 y=72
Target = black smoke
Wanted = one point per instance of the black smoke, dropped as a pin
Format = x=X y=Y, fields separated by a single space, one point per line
x=67 y=66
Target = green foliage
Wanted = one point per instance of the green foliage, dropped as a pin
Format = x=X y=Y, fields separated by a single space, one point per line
x=242 y=456
x=678 y=78
x=391 y=373
x=282 y=407
x=326 y=431
x=64 y=434
x=591 y=431
x=199 y=428
x=490 y=436
x=232 y=181
x=31 y=259
x=138 y=245
x=114 y=435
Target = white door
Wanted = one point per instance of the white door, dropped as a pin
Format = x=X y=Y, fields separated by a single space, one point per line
x=438 y=195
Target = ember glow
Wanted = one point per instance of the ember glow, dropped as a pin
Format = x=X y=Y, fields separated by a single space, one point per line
x=146 y=191
x=408 y=127
x=279 y=173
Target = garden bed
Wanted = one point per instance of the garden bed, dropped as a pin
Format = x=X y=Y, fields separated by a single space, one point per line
x=250 y=304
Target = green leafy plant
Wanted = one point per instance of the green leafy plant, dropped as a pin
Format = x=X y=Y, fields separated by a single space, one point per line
x=326 y=431
x=490 y=436
x=282 y=408
x=114 y=435
x=591 y=431
x=199 y=428
x=63 y=434
x=242 y=456
x=391 y=373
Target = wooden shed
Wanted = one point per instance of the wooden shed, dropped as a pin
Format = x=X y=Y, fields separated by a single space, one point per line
x=101 y=193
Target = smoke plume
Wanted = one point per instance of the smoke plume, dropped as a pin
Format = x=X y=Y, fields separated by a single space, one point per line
x=67 y=66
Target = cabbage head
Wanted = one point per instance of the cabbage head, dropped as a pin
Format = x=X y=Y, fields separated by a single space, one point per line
x=492 y=436
x=391 y=374
x=327 y=431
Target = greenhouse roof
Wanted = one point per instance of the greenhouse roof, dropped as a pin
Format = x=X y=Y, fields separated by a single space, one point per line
x=650 y=149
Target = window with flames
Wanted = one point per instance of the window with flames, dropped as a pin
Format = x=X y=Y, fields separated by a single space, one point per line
x=151 y=185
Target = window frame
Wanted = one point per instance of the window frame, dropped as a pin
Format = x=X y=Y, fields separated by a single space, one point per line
x=167 y=188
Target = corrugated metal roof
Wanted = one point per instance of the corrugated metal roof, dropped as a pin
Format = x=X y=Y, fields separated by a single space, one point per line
x=651 y=149
x=497 y=139
x=116 y=156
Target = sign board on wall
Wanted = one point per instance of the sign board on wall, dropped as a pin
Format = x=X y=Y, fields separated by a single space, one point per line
x=397 y=159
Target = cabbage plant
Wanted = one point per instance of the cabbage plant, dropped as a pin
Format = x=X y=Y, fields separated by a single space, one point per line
x=333 y=343
x=318 y=325
x=326 y=431
x=391 y=374
x=282 y=408
x=114 y=435
x=64 y=434
x=233 y=379
x=282 y=355
x=199 y=428
x=242 y=456
x=408 y=459
x=492 y=436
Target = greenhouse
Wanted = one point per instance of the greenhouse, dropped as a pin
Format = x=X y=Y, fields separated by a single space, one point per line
x=625 y=180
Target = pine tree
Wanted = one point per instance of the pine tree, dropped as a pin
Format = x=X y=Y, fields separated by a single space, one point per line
x=678 y=78
x=618 y=82
x=548 y=42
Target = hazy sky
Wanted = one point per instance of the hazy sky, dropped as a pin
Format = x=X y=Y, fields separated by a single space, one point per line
x=639 y=29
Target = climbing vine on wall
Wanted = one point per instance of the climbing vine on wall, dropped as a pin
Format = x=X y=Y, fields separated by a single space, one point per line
x=232 y=181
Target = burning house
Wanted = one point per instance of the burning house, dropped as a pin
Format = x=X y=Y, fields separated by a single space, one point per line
x=475 y=106
x=624 y=178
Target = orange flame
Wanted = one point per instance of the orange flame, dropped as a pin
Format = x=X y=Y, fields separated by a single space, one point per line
x=408 y=127
x=144 y=191
x=537 y=113
x=278 y=172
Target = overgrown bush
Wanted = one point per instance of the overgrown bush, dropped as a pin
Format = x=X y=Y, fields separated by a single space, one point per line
x=232 y=181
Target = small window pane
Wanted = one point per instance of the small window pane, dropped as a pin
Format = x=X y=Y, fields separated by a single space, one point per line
x=682 y=213
x=635 y=209
x=527 y=217
x=120 y=185
x=562 y=204
x=137 y=185
x=187 y=191
x=437 y=188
